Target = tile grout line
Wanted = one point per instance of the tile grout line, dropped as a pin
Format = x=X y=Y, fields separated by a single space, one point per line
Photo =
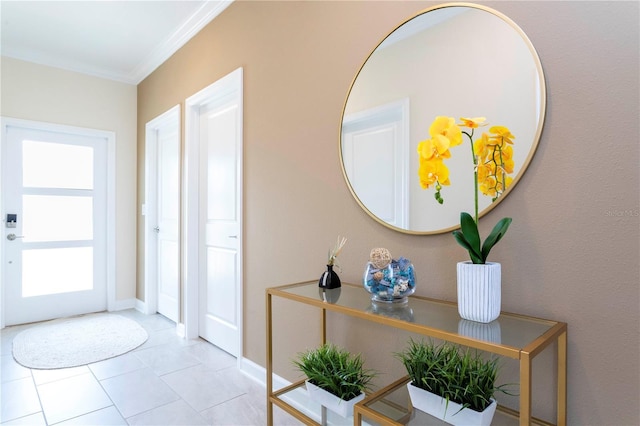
x=33 y=380
x=113 y=404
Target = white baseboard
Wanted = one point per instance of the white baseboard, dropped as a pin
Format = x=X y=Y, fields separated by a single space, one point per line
x=121 y=305
x=297 y=399
x=141 y=306
x=181 y=330
x=253 y=370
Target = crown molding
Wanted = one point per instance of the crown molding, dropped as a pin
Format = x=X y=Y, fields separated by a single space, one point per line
x=198 y=20
x=205 y=14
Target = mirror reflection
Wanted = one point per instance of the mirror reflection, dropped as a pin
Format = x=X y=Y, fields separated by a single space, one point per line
x=456 y=61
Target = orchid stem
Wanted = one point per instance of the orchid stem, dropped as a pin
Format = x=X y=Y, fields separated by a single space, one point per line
x=475 y=174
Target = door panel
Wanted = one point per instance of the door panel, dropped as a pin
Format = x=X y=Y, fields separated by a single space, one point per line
x=162 y=229
x=375 y=155
x=168 y=215
x=220 y=142
x=168 y=279
x=55 y=257
x=221 y=294
x=372 y=175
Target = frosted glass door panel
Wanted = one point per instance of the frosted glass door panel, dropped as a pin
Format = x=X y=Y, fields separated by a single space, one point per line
x=54 y=165
x=57 y=218
x=54 y=271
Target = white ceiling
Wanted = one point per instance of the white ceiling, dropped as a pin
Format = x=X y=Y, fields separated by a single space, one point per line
x=118 y=40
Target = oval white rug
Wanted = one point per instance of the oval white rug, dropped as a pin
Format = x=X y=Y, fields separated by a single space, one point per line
x=71 y=342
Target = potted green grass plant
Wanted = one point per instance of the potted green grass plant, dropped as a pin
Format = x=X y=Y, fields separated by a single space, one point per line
x=453 y=385
x=336 y=378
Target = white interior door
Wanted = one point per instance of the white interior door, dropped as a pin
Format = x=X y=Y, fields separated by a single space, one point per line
x=218 y=125
x=163 y=227
x=379 y=181
x=54 y=201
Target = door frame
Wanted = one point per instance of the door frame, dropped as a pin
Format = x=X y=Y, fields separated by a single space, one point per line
x=150 y=207
x=5 y=123
x=230 y=83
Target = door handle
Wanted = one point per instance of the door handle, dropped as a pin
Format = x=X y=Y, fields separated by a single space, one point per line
x=233 y=236
x=157 y=229
x=12 y=237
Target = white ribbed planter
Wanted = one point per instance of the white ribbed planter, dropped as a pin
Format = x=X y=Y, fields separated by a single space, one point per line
x=331 y=401
x=479 y=291
x=450 y=412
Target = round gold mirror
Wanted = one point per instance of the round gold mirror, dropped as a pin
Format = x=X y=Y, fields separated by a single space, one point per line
x=455 y=60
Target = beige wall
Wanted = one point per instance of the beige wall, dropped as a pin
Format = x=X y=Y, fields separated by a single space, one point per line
x=572 y=251
x=40 y=93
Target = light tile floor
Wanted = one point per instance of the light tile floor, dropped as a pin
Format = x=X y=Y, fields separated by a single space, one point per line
x=166 y=381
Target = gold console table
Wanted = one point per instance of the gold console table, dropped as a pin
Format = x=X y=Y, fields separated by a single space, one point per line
x=511 y=335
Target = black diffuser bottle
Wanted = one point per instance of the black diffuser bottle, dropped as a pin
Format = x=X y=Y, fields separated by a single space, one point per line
x=329 y=279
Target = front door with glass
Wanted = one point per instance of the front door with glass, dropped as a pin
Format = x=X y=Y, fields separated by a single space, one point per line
x=54 y=187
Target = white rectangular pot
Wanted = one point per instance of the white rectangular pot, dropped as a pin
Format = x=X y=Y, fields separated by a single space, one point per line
x=451 y=413
x=479 y=291
x=331 y=401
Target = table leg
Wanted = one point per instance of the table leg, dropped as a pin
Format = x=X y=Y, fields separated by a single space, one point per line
x=357 y=418
x=562 y=379
x=525 y=389
x=269 y=363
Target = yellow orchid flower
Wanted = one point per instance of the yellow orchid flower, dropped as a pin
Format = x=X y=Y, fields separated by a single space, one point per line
x=502 y=183
x=425 y=149
x=434 y=148
x=492 y=156
x=432 y=171
x=488 y=187
x=483 y=172
x=480 y=145
x=507 y=152
x=507 y=166
x=493 y=141
x=441 y=144
x=502 y=133
x=447 y=127
x=427 y=178
x=472 y=123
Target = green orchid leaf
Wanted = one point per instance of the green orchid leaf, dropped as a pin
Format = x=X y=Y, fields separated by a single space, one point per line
x=496 y=235
x=460 y=238
x=470 y=231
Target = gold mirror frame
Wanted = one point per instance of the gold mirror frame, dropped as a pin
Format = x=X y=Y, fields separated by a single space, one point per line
x=540 y=97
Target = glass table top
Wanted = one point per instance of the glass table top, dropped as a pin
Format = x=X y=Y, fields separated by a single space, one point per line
x=508 y=330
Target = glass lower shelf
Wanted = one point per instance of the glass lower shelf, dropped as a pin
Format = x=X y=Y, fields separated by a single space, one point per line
x=293 y=399
x=416 y=417
x=392 y=406
x=388 y=406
